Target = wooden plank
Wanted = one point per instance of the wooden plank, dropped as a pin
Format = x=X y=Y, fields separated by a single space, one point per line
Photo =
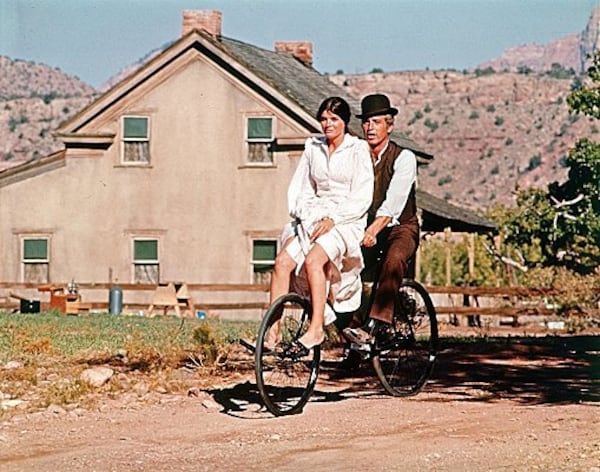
x=492 y=311
x=148 y=287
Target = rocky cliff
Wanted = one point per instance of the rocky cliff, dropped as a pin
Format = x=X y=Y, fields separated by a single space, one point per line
x=571 y=52
x=490 y=135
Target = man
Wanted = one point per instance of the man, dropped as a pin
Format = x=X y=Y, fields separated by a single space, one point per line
x=392 y=221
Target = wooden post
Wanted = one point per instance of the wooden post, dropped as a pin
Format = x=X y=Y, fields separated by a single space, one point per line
x=498 y=244
x=418 y=263
x=471 y=254
x=447 y=234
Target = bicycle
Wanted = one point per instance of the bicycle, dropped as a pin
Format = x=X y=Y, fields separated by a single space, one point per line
x=403 y=355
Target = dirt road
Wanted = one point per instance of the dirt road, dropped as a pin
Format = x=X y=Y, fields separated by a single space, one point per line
x=512 y=405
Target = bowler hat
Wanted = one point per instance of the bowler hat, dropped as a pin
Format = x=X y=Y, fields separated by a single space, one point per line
x=376 y=104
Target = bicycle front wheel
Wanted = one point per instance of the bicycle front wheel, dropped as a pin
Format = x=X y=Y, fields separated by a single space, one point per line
x=406 y=352
x=285 y=380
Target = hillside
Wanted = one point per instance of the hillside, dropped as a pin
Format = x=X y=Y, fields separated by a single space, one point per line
x=34 y=100
x=489 y=134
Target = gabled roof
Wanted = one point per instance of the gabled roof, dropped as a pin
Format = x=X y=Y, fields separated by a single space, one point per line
x=284 y=80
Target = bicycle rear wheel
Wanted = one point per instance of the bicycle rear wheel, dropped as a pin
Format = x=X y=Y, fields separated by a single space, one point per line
x=405 y=353
x=285 y=381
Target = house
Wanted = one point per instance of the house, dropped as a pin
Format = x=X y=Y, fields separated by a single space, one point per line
x=178 y=172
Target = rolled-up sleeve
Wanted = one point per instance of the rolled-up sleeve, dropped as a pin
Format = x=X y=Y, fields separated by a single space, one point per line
x=405 y=174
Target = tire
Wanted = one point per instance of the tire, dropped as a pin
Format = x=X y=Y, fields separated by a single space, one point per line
x=404 y=354
x=286 y=382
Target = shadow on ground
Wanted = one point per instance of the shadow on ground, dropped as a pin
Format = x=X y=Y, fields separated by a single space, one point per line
x=528 y=370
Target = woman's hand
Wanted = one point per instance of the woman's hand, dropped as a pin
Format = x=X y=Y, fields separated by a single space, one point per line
x=323 y=226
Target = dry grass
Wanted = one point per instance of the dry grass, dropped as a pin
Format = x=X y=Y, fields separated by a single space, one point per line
x=49 y=351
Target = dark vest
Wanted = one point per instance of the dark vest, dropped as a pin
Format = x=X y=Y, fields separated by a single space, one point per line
x=383 y=175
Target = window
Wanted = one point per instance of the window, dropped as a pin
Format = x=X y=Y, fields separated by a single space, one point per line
x=260 y=140
x=35 y=260
x=136 y=140
x=145 y=261
x=263 y=260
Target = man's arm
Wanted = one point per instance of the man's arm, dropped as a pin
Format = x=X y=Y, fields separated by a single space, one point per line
x=405 y=174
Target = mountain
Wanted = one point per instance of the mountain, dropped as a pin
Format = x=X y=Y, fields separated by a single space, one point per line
x=571 y=52
x=490 y=134
x=35 y=99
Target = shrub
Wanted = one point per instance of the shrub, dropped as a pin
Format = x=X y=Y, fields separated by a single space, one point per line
x=534 y=162
x=484 y=72
x=474 y=115
x=508 y=142
x=432 y=125
x=499 y=121
x=445 y=180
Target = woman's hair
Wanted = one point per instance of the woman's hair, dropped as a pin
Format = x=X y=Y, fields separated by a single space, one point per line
x=336 y=105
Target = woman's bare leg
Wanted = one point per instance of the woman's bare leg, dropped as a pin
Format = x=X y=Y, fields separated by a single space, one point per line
x=280 y=285
x=315 y=263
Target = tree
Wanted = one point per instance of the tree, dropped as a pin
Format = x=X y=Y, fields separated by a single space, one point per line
x=564 y=221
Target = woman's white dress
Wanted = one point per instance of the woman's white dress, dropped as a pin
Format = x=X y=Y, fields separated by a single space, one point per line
x=340 y=187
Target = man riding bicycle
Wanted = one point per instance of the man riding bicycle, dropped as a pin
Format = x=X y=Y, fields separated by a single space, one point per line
x=392 y=225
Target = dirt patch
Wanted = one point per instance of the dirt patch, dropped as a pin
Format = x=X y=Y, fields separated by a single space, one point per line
x=510 y=403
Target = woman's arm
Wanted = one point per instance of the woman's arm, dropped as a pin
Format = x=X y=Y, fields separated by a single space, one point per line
x=301 y=191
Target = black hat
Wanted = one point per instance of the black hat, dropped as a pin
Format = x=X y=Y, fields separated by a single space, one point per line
x=376 y=104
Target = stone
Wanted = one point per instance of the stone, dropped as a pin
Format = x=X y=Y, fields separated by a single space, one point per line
x=97 y=376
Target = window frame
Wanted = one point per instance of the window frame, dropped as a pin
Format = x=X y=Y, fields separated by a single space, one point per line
x=248 y=140
x=139 y=262
x=125 y=140
x=24 y=261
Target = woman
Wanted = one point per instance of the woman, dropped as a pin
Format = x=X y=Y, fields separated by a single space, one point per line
x=329 y=195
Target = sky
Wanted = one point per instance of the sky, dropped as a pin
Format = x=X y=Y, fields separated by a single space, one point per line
x=94 y=39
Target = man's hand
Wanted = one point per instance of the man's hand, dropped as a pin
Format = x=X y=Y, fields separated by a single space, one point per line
x=369 y=240
x=323 y=226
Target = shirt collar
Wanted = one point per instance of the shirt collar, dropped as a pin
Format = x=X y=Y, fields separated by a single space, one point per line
x=382 y=152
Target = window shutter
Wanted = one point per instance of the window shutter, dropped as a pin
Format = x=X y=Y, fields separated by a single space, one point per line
x=135 y=128
x=264 y=251
x=35 y=249
x=260 y=128
x=145 y=250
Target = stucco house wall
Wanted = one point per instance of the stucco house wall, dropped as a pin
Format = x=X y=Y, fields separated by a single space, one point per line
x=198 y=196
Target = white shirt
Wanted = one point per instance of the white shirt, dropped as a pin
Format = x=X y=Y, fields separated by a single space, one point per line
x=405 y=175
x=339 y=186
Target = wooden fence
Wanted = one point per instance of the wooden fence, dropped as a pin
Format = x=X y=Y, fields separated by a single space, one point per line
x=451 y=301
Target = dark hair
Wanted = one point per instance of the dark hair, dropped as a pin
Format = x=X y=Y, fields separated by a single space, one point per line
x=336 y=105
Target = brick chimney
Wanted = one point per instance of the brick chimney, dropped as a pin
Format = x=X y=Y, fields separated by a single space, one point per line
x=301 y=50
x=207 y=20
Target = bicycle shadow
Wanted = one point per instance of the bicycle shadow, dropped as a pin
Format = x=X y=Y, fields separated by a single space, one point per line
x=242 y=400
x=527 y=370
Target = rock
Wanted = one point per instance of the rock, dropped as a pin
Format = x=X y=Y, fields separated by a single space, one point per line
x=6 y=404
x=10 y=365
x=56 y=410
x=97 y=376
